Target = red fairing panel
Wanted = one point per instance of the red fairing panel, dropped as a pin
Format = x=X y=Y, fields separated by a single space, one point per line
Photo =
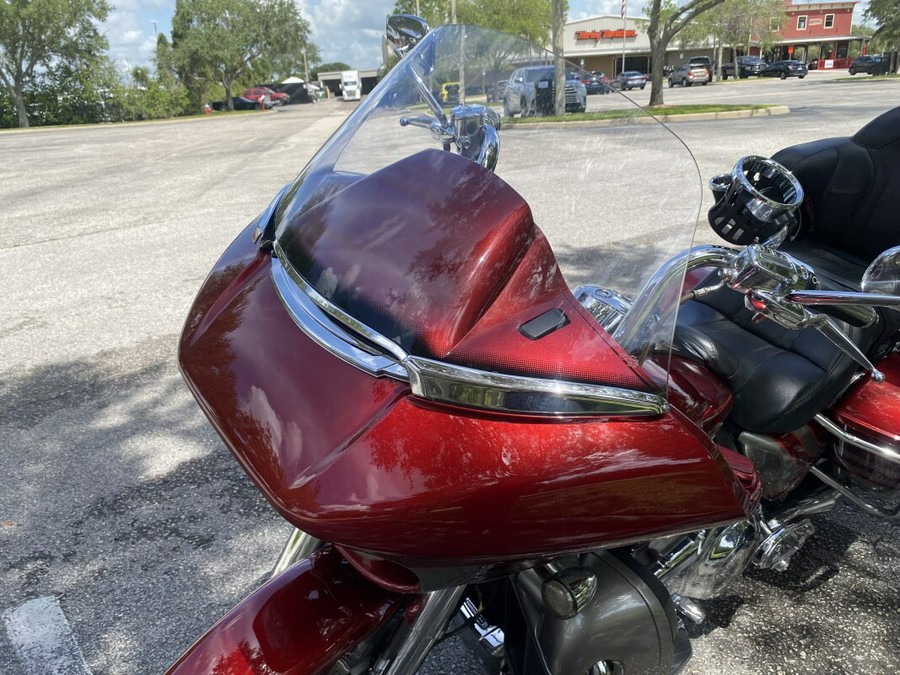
x=299 y=623
x=355 y=460
x=444 y=258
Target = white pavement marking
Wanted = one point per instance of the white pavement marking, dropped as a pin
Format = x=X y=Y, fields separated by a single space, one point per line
x=41 y=635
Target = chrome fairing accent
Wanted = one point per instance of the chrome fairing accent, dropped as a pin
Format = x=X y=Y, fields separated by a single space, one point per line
x=364 y=348
x=439 y=381
x=305 y=306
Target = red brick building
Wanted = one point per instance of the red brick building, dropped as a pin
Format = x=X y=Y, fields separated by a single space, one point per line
x=820 y=29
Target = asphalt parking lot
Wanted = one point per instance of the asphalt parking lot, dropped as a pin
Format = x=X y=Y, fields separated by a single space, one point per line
x=126 y=529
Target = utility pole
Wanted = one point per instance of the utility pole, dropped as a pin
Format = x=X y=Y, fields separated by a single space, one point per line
x=452 y=11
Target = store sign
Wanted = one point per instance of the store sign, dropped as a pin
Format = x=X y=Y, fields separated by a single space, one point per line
x=604 y=34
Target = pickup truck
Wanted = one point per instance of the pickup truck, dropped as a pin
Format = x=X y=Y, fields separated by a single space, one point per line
x=745 y=67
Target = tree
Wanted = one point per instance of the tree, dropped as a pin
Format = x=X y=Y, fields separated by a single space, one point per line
x=734 y=24
x=228 y=40
x=886 y=15
x=667 y=20
x=37 y=35
x=529 y=19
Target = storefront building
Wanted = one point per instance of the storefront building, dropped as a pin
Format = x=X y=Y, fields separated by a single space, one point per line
x=817 y=32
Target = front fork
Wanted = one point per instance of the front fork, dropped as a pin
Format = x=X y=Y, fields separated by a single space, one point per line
x=425 y=617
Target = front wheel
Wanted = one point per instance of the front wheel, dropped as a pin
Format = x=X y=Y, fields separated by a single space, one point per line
x=643 y=85
x=506 y=110
x=853 y=71
x=783 y=76
x=671 y=84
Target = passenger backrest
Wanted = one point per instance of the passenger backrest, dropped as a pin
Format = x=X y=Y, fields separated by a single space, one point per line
x=852 y=187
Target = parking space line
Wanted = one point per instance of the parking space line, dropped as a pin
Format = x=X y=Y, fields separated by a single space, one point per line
x=41 y=636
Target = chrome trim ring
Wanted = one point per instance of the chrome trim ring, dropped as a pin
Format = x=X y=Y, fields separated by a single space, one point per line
x=362 y=347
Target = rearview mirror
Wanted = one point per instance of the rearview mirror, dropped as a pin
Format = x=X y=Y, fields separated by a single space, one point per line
x=883 y=275
x=404 y=31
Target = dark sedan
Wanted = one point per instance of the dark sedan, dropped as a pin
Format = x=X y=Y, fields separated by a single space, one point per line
x=630 y=79
x=785 y=69
x=241 y=103
x=596 y=82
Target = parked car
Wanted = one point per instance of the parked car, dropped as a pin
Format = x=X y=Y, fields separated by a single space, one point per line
x=874 y=65
x=241 y=103
x=276 y=97
x=745 y=66
x=785 y=69
x=705 y=62
x=530 y=92
x=688 y=74
x=630 y=79
x=596 y=82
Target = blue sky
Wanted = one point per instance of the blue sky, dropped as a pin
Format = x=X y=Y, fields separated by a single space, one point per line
x=345 y=30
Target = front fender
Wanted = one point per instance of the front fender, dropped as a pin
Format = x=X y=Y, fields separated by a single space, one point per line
x=300 y=622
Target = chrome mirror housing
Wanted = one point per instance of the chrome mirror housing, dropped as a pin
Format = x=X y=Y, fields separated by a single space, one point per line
x=883 y=275
x=403 y=32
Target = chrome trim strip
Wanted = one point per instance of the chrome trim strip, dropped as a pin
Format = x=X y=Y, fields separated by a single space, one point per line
x=885 y=453
x=336 y=332
x=450 y=383
x=315 y=323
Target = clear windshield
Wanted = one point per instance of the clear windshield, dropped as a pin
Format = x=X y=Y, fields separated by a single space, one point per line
x=616 y=196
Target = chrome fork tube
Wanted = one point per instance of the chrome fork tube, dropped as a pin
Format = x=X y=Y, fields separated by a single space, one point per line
x=299 y=545
x=413 y=641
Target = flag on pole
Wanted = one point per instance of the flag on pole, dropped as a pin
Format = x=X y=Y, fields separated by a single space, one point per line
x=624 y=4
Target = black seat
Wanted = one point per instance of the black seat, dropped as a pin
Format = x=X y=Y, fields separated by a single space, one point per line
x=781 y=378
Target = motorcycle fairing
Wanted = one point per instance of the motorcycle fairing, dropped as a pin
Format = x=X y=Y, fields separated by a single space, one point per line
x=361 y=463
x=301 y=621
x=450 y=270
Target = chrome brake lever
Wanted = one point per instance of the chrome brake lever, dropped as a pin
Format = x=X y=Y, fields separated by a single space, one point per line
x=795 y=317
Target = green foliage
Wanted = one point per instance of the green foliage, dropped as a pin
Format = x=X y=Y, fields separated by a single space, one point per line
x=235 y=41
x=328 y=68
x=666 y=21
x=529 y=19
x=886 y=15
x=37 y=37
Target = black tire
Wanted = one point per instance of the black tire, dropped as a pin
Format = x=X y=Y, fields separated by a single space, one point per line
x=684 y=82
x=705 y=83
x=724 y=77
x=671 y=84
x=782 y=75
x=643 y=85
x=801 y=76
x=853 y=71
x=506 y=108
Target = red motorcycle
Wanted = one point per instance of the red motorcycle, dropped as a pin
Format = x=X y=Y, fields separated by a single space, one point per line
x=462 y=442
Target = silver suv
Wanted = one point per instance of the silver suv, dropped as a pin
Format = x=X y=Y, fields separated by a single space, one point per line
x=530 y=92
x=687 y=74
